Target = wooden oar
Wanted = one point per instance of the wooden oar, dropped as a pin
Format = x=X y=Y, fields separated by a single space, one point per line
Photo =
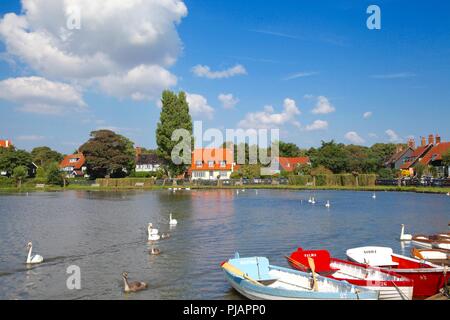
x=298 y=264
x=418 y=254
x=313 y=270
x=239 y=273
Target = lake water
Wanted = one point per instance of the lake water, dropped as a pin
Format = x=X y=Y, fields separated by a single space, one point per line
x=105 y=233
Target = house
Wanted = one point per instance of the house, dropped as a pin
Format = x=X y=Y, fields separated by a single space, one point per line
x=401 y=156
x=434 y=157
x=212 y=164
x=74 y=165
x=418 y=153
x=5 y=143
x=147 y=162
x=290 y=163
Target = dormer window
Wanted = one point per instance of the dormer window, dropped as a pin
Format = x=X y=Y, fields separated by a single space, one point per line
x=198 y=163
x=72 y=160
x=223 y=164
x=211 y=164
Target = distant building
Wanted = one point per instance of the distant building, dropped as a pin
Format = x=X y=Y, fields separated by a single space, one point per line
x=418 y=153
x=289 y=164
x=212 y=164
x=147 y=162
x=5 y=143
x=74 y=165
x=401 y=156
x=434 y=157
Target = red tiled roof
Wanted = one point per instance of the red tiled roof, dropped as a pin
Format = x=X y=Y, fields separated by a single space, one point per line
x=398 y=155
x=289 y=164
x=216 y=155
x=435 y=154
x=77 y=165
x=5 y=143
x=417 y=154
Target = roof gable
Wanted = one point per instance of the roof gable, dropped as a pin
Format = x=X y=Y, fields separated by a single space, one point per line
x=76 y=161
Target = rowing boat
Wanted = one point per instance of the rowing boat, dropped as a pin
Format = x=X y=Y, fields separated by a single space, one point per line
x=256 y=279
x=428 y=277
x=391 y=286
x=436 y=256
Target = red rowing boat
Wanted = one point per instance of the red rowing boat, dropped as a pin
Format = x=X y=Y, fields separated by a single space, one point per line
x=390 y=285
x=428 y=278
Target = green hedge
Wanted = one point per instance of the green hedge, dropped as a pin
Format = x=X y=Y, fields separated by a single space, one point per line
x=7 y=182
x=125 y=182
x=335 y=180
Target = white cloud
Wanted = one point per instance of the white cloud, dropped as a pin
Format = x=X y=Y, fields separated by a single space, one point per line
x=354 y=138
x=317 y=125
x=31 y=137
x=205 y=72
x=323 y=106
x=115 y=39
x=198 y=105
x=227 y=100
x=393 y=136
x=301 y=75
x=269 y=119
x=368 y=114
x=38 y=95
x=141 y=83
x=399 y=75
x=373 y=135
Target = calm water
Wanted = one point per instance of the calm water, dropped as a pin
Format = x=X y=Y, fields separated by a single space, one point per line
x=105 y=234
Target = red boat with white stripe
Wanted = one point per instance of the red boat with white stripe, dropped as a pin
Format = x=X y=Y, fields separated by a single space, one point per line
x=391 y=286
x=428 y=278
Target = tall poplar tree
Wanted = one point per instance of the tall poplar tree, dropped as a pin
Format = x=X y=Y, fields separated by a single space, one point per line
x=174 y=115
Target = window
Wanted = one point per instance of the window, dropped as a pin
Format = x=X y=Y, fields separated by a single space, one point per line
x=223 y=164
x=72 y=160
x=198 y=163
x=223 y=174
x=199 y=174
x=211 y=164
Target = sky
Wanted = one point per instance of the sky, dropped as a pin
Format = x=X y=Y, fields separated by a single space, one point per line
x=313 y=69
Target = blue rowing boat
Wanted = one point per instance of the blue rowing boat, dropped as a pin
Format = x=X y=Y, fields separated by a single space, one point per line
x=256 y=279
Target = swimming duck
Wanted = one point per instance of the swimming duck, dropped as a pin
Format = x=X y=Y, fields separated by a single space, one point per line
x=33 y=259
x=132 y=286
x=154 y=251
x=165 y=236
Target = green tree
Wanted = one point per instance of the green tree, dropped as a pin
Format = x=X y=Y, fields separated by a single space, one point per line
x=289 y=149
x=174 y=115
x=108 y=154
x=303 y=169
x=10 y=158
x=332 y=156
x=446 y=158
x=54 y=175
x=20 y=173
x=43 y=156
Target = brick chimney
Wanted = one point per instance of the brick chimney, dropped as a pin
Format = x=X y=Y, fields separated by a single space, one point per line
x=423 y=142
x=438 y=139
x=431 y=139
x=138 y=151
x=412 y=143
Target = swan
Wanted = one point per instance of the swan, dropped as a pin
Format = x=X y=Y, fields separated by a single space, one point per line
x=154 y=237
x=33 y=259
x=328 y=204
x=374 y=196
x=172 y=222
x=237 y=191
x=188 y=189
x=310 y=200
x=151 y=230
x=256 y=192
x=313 y=201
x=403 y=236
x=132 y=286
x=448 y=194
x=154 y=251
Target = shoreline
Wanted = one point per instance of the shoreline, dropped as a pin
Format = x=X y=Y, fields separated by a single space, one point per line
x=429 y=190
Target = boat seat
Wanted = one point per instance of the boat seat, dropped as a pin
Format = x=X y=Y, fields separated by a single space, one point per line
x=255 y=267
x=322 y=260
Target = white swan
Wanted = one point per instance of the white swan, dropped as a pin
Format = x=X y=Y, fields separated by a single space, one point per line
x=237 y=191
x=151 y=230
x=374 y=196
x=313 y=201
x=172 y=222
x=33 y=259
x=328 y=204
x=154 y=237
x=403 y=236
x=310 y=200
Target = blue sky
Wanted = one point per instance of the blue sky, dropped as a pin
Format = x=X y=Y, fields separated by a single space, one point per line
x=310 y=52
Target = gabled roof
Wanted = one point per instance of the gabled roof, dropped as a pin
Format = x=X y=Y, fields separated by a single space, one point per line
x=216 y=155
x=435 y=154
x=289 y=163
x=417 y=154
x=398 y=155
x=143 y=159
x=77 y=165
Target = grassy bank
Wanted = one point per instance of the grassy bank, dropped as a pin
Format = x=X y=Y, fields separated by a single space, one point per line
x=434 y=190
